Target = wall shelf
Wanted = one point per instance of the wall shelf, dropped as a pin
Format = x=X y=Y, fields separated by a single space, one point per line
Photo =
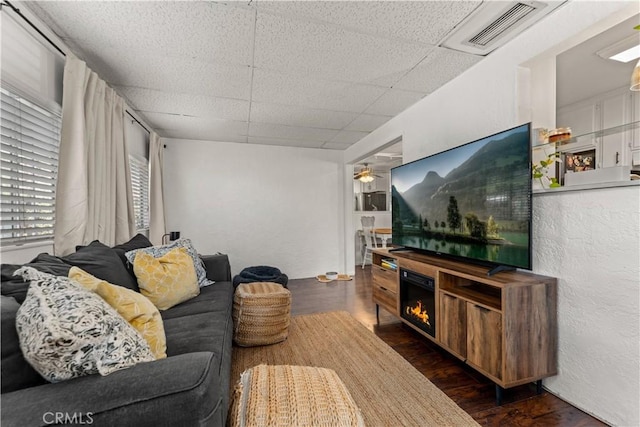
x=590 y=135
x=598 y=186
x=616 y=146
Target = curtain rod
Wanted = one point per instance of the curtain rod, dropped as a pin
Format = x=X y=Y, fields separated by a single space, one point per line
x=32 y=25
x=138 y=121
x=51 y=42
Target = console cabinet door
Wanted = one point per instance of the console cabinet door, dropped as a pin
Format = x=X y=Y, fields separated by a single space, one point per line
x=453 y=320
x=484 y=339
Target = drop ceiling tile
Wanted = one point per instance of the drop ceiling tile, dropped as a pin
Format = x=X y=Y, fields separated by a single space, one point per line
x=299 y=116
x=389 y=80
x=393 y=102
x=348 y=137
x=200 y=135
x=437 y=69
x=422 y=21
x=174 y=122
x=280 y=88
x=169 y=74
x=367 y=123
x=270 y=130
x=313 y=49
x=175 y=126
x=206 y=107
x=318 y=65
x=284 y=142
x=206 y=30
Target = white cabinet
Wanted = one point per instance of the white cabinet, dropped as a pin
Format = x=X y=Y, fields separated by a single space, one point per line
x=635 y=133
x=381 y=183
x=615 y=149
x=635 y=110
x=590 y=121
x=582 y=119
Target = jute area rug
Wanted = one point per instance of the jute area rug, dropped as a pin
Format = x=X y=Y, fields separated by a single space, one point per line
x=386 y=388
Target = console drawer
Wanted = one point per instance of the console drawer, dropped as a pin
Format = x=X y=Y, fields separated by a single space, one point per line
x=386 y=278
x=386 y=298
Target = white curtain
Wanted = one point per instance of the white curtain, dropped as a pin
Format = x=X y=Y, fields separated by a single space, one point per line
x=156 y=199
x=94 y=199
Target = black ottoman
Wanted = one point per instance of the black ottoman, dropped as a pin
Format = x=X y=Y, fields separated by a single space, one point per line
x=261 y=273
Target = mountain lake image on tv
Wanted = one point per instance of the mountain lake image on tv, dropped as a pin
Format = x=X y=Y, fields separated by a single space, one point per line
x=472 y=202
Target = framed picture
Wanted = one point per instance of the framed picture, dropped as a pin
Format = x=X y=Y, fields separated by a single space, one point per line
x=578 y=162
x=375 y=201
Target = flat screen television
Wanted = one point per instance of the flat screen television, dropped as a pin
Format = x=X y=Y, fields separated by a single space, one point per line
x=472 y=202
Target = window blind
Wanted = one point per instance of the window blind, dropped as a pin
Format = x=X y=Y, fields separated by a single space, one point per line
x=140 y=186
x=30 y=138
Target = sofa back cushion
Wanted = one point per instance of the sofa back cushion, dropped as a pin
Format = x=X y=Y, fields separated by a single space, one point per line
x=16 y=372
x=139 y=241
x=103 y=262
x=15 y=286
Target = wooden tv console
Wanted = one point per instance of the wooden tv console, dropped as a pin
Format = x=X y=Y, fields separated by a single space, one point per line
x=504 y=326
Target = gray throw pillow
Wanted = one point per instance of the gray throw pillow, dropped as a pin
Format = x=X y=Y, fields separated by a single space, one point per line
x=16 y=372
x=101 y=261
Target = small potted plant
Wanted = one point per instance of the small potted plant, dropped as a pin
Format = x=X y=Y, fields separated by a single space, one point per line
x=540 y=171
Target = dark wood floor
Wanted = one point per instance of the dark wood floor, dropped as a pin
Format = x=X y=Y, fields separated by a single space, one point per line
x=521 y=406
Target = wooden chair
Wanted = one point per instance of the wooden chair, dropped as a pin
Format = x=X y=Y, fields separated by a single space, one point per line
x=369 y=237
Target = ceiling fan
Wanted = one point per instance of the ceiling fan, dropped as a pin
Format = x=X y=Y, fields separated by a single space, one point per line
x=366 y=174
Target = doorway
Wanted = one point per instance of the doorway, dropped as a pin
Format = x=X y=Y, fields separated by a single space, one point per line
x=371 y=193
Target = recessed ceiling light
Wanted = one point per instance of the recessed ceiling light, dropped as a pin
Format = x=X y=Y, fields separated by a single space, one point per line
x=625 y=50
x=627 y=55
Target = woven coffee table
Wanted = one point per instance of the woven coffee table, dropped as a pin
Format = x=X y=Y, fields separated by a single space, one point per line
x=261 y=314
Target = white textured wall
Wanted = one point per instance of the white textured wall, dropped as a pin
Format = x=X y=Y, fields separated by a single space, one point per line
x=599 y=368
x=260 y=204
x=590 y=241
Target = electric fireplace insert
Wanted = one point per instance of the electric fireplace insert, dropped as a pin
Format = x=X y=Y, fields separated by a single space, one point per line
x=417 y=300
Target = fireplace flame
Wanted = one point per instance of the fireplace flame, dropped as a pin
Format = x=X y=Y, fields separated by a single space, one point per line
x=418 y=313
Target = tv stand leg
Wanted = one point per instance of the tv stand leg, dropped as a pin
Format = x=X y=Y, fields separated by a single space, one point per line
x=499 y=391
x=377 y=314
x=539 y=386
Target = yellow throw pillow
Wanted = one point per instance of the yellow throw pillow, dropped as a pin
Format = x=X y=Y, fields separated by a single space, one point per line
x=134 y=307
x=167 y=280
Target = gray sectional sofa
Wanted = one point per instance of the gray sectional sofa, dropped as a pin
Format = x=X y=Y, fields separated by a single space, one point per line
x=188 y=388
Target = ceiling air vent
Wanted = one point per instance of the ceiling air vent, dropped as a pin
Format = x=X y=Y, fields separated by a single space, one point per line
x=496 y=22
x=503 y=23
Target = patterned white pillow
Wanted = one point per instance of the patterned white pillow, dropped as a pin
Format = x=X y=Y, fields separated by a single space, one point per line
x=159 y=251
x=67 y=331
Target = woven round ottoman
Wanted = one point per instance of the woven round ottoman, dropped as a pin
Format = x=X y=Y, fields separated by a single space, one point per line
x=286 y=395
x=261 y=314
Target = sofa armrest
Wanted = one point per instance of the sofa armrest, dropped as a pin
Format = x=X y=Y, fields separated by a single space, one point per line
x=218 y=267
x=179 y=390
